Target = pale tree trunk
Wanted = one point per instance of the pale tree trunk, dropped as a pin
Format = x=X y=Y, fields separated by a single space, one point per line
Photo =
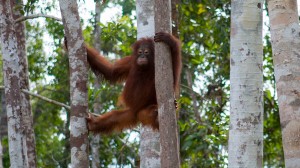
x=95 y=146
x=97 y=30
x=1 y=154
x=3 y=125
x=3 y=116
x=193 y=96
x=169 y=142
x=246 y=85
x=78 y=83
x=175 y=17
x=285 y=35
x=11 y=69
x=27 y=120
x=149 y=143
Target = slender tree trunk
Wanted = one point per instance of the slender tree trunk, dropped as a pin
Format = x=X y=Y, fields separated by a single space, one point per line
x=149 y=144
x=3 y=116
x=95 y=146
x=164 y=89
x=193 y=96
x=27 y=120
x=175 y=17
x=285 y=35
x=78 y=82
x=97 y=30
x=3 y=128
x=3 y=124
x=11 y=69
x=1 y=153
x=246 y=85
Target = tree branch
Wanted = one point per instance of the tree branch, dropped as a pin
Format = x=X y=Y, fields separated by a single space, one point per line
x=36 y=16
x=46 y=99
x=43 y=98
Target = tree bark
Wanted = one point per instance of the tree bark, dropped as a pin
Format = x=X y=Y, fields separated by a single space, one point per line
x=11 y=69
x=3 y=125
x=27 y=120
x=285 y=31
x=149 y=143
x=164 y=89
x=193 y=96
x=175 y=17
x=95 y=146
x=78 y=83
x=3 y=116
x=246 y=85
x=1 y=153
x=97 y=28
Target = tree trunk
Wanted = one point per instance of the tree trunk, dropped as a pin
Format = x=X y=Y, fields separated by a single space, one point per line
x=193 y=96
x=3 y=116
x=27 y=120
x=3 y=124
x=164 y=89
x=1 y=153
x=95 y=146
x=175 y=17
x=78 y=83
x=11 y=69
x=149 y=143
x=285 y=33
x=246 y=85
x=97 y=28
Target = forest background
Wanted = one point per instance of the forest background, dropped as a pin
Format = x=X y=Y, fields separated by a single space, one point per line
x=204 y=29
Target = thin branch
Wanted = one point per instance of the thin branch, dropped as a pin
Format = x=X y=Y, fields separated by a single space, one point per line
x=43 y=98
x=47 y=99
x=36 y=16
x=130 y=148
x=191 y=89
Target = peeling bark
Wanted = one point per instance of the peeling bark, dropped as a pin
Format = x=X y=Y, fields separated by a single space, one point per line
x=246 y=85
x=78 y=83
x=149 y=143
x=285 y=36
x=165 y=93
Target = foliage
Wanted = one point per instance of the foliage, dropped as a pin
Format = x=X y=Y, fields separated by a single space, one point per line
x=206 y=54
x=35 y=52
x=273 y=150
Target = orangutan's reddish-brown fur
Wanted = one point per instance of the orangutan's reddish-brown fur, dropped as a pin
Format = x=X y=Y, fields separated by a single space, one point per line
x=138 y=96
